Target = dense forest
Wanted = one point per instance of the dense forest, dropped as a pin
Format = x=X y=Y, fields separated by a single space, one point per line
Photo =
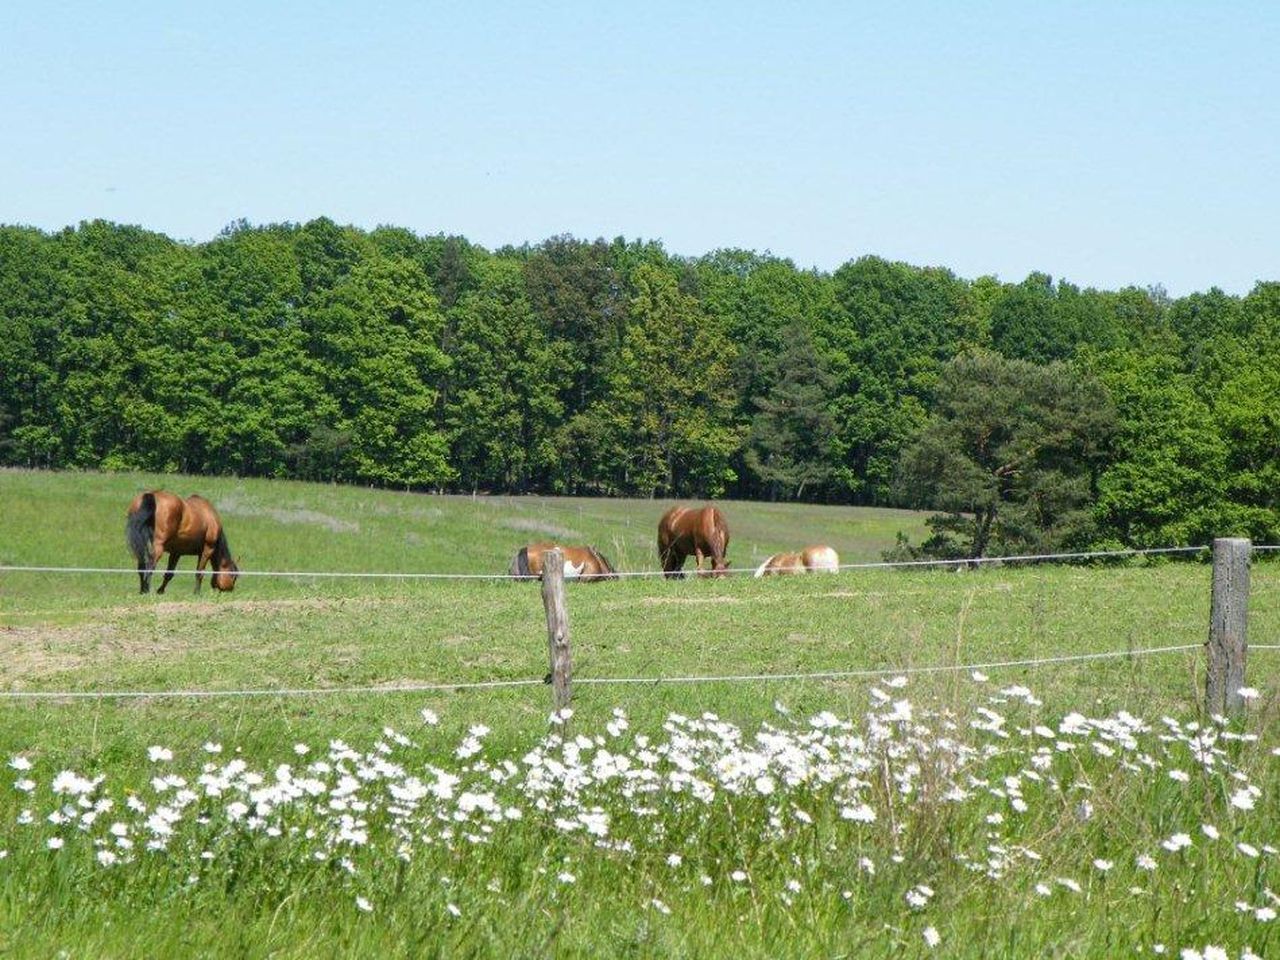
x=1030 y=415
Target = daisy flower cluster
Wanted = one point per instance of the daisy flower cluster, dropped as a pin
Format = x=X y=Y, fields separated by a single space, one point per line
x=905 y=810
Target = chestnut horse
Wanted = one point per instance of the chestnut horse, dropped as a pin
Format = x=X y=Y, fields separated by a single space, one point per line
x=816 y=559
x=693 y=531
x=580 y=563
x=160 y=521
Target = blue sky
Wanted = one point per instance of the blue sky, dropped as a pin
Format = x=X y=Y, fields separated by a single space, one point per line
x=1108 y=143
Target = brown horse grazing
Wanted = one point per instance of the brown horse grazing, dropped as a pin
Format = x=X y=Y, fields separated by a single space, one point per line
x=160 y=521
x=816 y=559
x=693 y=531
x=580 y=563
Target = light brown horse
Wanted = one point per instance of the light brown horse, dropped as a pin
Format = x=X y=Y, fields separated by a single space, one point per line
x=580 y=563
x=693 y=531
x=160 y=521
x=816 y=559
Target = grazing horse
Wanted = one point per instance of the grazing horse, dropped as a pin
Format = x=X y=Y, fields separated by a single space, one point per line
x=693 y=531
x=817 y=559
x=160 y=521
x=580 y=563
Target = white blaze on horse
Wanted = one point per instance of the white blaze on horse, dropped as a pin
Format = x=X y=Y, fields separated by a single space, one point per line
x=815 y=559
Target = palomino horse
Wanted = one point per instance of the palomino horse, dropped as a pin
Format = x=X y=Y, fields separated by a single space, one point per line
x=693 y=531
x=816 y=559
x=160 y=521
x=580 y=563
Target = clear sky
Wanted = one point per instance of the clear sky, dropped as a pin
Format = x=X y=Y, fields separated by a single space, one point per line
x=1105 y=142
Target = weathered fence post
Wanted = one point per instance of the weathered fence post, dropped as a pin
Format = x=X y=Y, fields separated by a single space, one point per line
x=1228 y=622
x=557 y=627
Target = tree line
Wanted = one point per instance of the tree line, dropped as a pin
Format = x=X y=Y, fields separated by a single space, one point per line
x=1029 y=415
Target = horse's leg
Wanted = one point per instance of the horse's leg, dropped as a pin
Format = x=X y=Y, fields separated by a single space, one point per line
x=143 y=585
x=168 y=572
x=200 y=565
x=697 y=557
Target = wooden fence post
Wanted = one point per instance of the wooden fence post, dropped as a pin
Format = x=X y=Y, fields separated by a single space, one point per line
x=557 y=627
x=1228 y=623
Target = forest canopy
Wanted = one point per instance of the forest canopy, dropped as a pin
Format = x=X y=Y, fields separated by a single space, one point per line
x=1034 y=414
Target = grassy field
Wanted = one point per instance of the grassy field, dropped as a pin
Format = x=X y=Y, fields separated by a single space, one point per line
x=503 y=893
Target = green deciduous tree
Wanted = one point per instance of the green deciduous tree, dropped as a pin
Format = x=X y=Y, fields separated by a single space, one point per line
x=1009 y=453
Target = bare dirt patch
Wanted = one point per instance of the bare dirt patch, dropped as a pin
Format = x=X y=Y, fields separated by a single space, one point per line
x=30 y=653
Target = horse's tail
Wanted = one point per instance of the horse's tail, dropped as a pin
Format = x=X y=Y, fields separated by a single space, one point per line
x=716 y=532
x=763 y=567
x=140 y=527
x=520 y=565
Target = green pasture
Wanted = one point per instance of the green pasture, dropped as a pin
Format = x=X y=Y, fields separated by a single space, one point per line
x=94 y=632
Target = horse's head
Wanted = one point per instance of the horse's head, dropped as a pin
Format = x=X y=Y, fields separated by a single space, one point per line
x=720 y=566
x=224 y=578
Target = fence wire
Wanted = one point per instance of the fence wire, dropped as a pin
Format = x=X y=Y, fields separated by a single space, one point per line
x=401 y=575
x=595 y=681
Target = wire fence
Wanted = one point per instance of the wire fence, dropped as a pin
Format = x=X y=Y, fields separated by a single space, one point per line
x=868 y=565
x=432 y=686
x=598 y=681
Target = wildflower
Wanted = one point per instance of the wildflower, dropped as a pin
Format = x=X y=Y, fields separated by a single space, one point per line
x=1177 y=842
x=1145 y=862
x=453 y=909
x=859 y=814
x=157 y=754
x=897 y=683
x=1265 y=914
x=674 y=860
x=429 y=717
x=979 y=677
x=26 y=786
x=1210 y=831
x=20 y=762
x=931 y=937
x=55 y=843
x=1103 y=865
x=793 y=886
x=1248 y=693
x=1215 y=953
x=364 y=905
x=1248 y=849
x=1242 y=800
x=764 y=785
x=107 y=858
x=1180 y=775
x=212 y=747
x=566 y=877
x=738 y=876
x=660 y=906
x=301 y=749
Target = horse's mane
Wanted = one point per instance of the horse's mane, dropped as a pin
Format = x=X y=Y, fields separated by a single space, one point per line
x=605 y=566
x=221 y=549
